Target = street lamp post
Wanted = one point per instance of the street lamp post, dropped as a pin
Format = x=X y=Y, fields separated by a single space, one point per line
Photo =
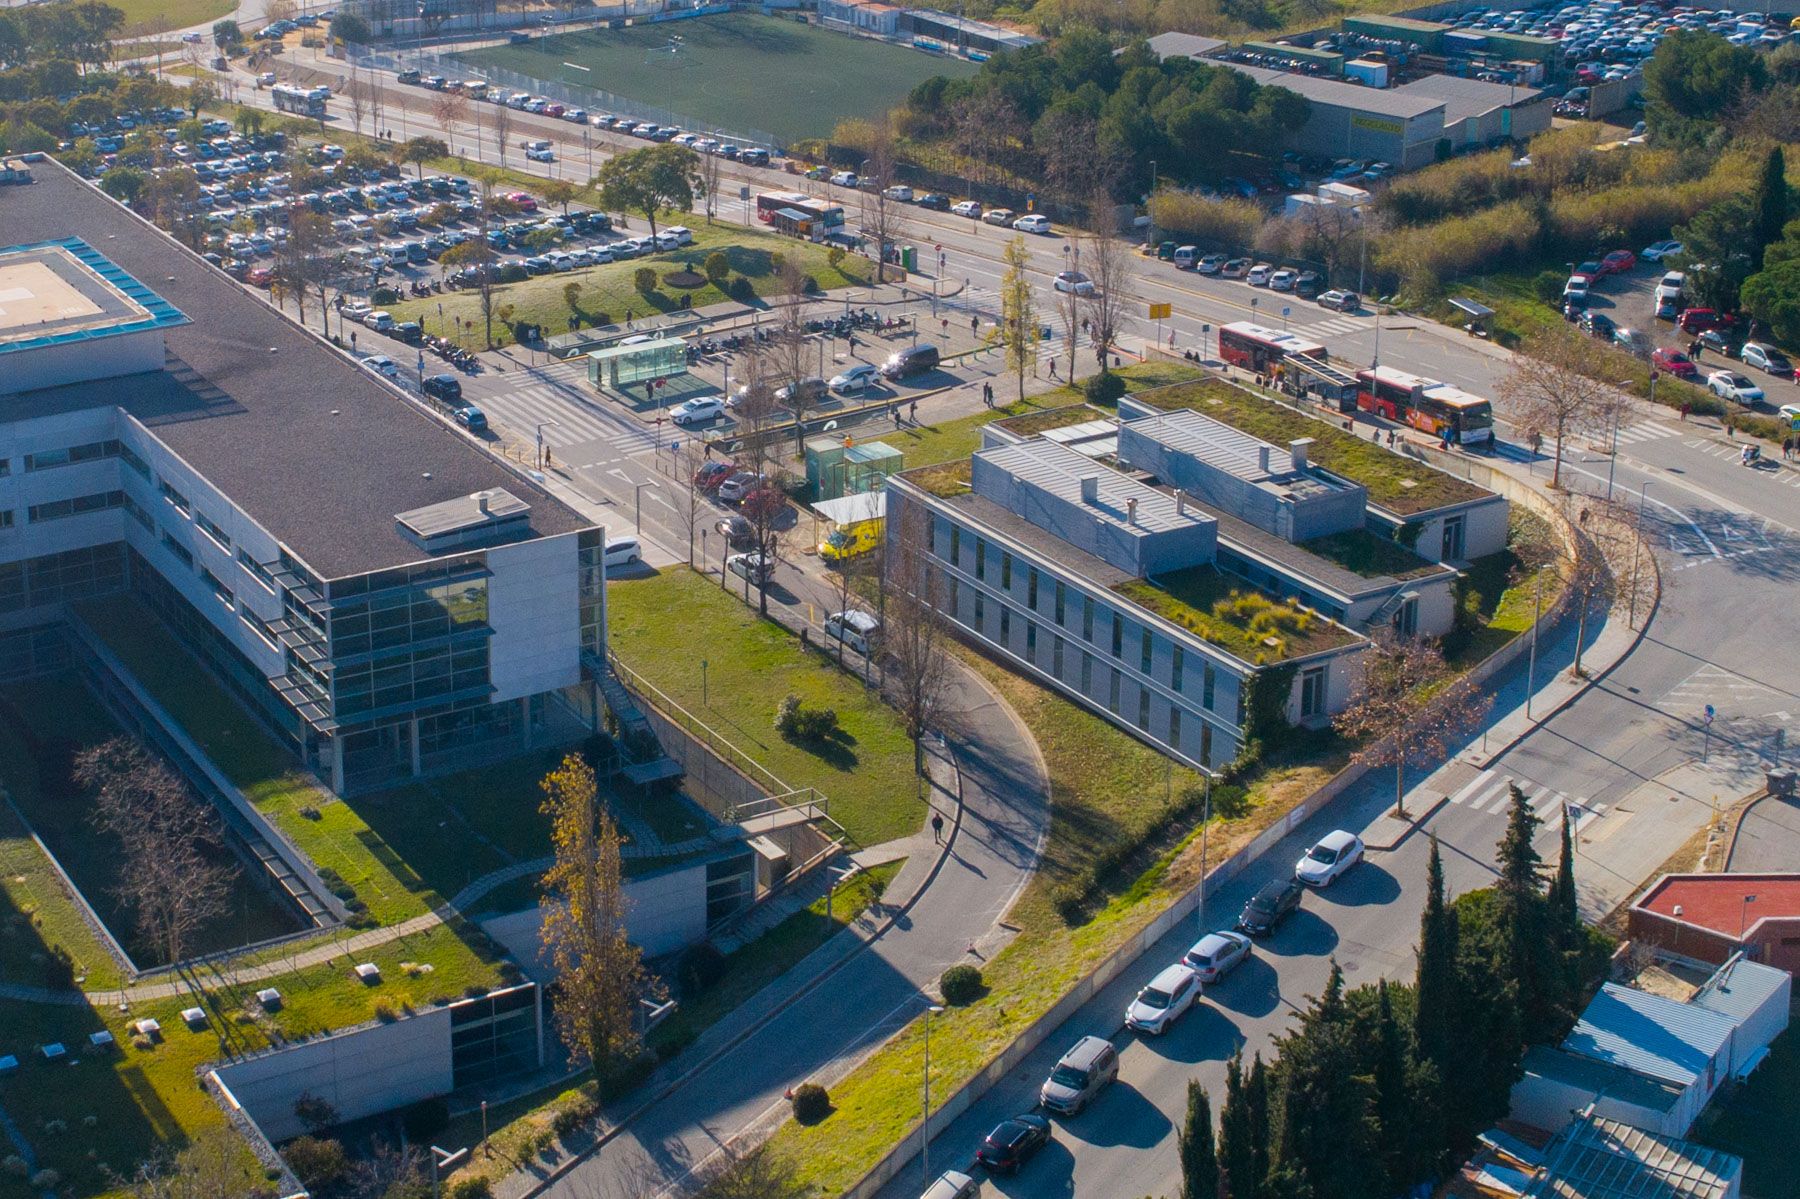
x=638 y=495
x=925 y=1123
x=541 y=426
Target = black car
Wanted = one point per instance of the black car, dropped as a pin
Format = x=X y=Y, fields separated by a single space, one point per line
x=442 y=387
x=1599 y=324
x=934 y=201
x=1012 y=1143
x=1269 y=906
x=1309 y=284
x=914 y=360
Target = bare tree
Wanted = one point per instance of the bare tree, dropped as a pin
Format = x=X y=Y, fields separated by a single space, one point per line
x=377 y=103
x=165 y=835
x=793 y=347
x=501 y=122
x=759 y=1174
x=883 y=217
x=1410 y=705
x=1111 y=266
x=449 y=109
x=305 y=261
x=1557 y=388
x=848 y=569
x=756 y=408
x=356 y=96
x=1019 y=325
x=915 y=632
x=712 y=172
x=211 y=1167
x=766 y=508
x=690 y=506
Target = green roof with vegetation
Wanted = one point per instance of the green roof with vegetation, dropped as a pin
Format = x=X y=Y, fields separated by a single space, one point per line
x=1399 y=484
x=1238 y=619
x=1370 y=555
x=946 y=480
x=1032 y=423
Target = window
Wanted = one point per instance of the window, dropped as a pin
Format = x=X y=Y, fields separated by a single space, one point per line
x=1056 y=656
x=132 y=460
x=1059 y=604
x=980 y=610
x=136 y=511
x=175 y=497
x=1144 y=654
x=1087 y=621
x=5 y=467
x=1118 y=638
x=1112 y=692
x=1208 y=680
x=980 y=560
x=1031 y=640
x=1143 y=707
x=255 y=569
x=57 y=509
x=213 y=531
x=179 y=550
x=1031 y=577
x=6 y=518
x=1174 y=725
x=93 y=451
x=1406 y=620
x=1175 y=670
x=259 y=626
x=1006 y=626
x=1005 y=572
x=1087 y=673
x=1453 y=537
x=1205 y=744
x=218 y=587
x=955 y=546
x=1312 y=692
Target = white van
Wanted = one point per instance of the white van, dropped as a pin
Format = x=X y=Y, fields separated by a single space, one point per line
x=858 y=630
x=1186 y=257
x=534 y=143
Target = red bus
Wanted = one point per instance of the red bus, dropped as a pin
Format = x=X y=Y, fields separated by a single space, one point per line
x=1426 y=404
x=1258 y=349
x=810 y=208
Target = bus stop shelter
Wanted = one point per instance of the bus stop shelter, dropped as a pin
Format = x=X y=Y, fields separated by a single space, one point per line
x=1479 y=315
x=619 y=366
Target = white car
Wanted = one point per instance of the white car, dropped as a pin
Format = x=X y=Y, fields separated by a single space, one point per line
x=1325 y=862
x=1283 y=280
x=356 y=310
x=899 y=192
x=700 y=408
x=1032 y=222
x=1215 y=955
x=1259 y=275
x=855 y=379
x=382 y=365
x=739 y=485
x=1575 y=288
x=998 y=216
x=844 y=178
x=1211 y=264
x=1661 y=250
x=1670 y=286
x=752 y=566
x=622 y=551
x=1073 y=281
x=1733 y=386
x=1790 y=413
x=681 y=233
x=968 y=208
x=1170 y=994
x=952 y=1184
x=541 y=155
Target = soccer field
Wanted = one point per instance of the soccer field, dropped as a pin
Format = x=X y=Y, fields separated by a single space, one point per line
x=735 y=71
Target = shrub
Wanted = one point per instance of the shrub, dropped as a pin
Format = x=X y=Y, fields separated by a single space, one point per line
x=701 y=966
x=425 y=1119
x=1103 y=388
x=572 y=1115
x=811 y=1103
x=384 y=1011
x=794 y=720
x=471 y=1188
x=644 y=279
x=15 y=1166
x=360 y=920
x=1548 y=287
x=316 y=1162
x=741 y=289
x=834 y=256
x=1226 y=224
x=717 y=267
x=384 y=295
x=961 y=985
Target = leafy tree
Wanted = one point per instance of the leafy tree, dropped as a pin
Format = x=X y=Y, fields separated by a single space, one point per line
x=1199 y=1159
x=348 y=27
x=124 y=183
x=198 y=94
x=227 y=34
x=1019 y=324
x=420 y=150
x=717 y=267
x=558 y=192
x=1772 y=295
x=649 y=180
x=1693 y=78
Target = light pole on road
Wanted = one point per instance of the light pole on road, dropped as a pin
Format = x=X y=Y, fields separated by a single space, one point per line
x=925 y=1124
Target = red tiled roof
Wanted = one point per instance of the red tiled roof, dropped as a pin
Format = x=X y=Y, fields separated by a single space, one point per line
x=1717 y=901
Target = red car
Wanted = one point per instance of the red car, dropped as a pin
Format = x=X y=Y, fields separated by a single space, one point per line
x=1674 y=362
x=260 y=276
x=1699 y=320
x=1618 y=262
x=709 y=476
x=1589 y=271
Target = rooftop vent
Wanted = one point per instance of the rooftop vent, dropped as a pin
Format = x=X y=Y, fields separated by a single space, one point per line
x=1262 y=458
x=1298 y=450
x=1131 y=511
x=1090 y=489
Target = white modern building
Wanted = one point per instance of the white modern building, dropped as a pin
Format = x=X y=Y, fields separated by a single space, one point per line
x=387 y=596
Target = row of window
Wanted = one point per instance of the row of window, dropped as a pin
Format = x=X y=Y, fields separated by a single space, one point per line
x=62 y=578
x=93 y=451
x=76 y=506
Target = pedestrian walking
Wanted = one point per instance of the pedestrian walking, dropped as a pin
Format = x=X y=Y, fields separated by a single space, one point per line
x=1053 y=368
x=974 y=326
x=896 y=416
x=1787 y=447
x=937 y=828
x=912 y=412
x=1684 y=409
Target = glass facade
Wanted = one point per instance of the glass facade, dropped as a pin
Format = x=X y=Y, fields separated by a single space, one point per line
x=62 y=578
x=591 y=593
x=494 y=1036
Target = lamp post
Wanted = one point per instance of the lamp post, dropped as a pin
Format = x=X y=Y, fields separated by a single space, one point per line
x=541 y=426
x=443 y=1159
x=925 y=1124
x=638 y=496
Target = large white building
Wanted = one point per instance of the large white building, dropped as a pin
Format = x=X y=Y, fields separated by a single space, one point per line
x=383 y=592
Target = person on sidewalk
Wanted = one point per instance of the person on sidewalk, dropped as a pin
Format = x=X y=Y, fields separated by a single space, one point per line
x=912 y=412
x=937 y=828
x=974 y=326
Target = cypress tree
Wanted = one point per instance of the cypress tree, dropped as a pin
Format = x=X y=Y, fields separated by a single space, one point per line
x=1256 y=1106
x=1563 y=910
x=1326 y=1108
x=1529 y=943
x=1199 y=1160
x=1387 y=1067
x=1435 y=990
x=1237 y=1148
x=1771 y=204
x=1520 y=866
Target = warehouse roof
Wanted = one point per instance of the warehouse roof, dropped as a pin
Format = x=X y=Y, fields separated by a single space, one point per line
x=1465 y=98
x=1650 y=1034
x=1392 y=102
x=1184 y=45
x=315 y=449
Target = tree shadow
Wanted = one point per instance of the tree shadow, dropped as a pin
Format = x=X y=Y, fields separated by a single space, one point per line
x=1253 y=989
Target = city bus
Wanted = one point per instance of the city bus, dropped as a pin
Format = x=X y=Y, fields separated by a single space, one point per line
x=768 y=204
x=301 y=101
x=1255 y=348
x=1436 y=408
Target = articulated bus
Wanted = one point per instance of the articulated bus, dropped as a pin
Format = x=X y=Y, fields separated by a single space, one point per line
x=811 y=208
x=1426 y=404
x=1255 y=348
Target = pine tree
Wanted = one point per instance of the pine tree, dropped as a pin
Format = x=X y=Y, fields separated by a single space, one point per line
x=1387 y=1066
x=1521 y=868
x=1530 y=948
x=1237 y=1148
x=1199 y=1160
x=1563 y=910
x=1326 y=1106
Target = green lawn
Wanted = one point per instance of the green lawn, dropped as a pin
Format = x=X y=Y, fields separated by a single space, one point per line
x=609 y=293
x=751 y=664
x=726 y=68
x=37 y=917
x=1401 y=485
x=171 y=14
x=1756 y=1121
x=1370 y=555
x=43 y=722
x=1500 y=591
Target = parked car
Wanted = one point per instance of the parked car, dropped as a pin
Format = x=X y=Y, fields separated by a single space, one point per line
x=899 y=192
x=1766 y=358
x=1308 y=283
x=1258 y=275
x=1073 y=281
x=856 y=379
x=1716 y=341
x=1269 y=906
x=856 y=629
x=621 y=551
x=968 y=208
x=1675 y=362
x=1087 y=1069
x=844 y=179
x=1576 y=287
x=1589 y=271
x=756 y=567
x=1618 y=262
x=739 y=485
x=1215 y=955
x=694 y=411
x=1212 y=264
x=1328 y=860
x=1699 y=320
x=1670 y=285
x=1599 y=324
x=471 y=418
x=1340 y=301
x=998 y=216
x=1164 y=1000
x=1235 y=268
x=804 y=393
x=1661 y=250
x=1032 y=222
x=934 y=201
x=442 y=387
x=952 y=1184
x=914 y=360
x=1013 y=1142
x=1283 y=280
x=736 y=530
x=382 y=365
x=711 y=474
x=1732 y=386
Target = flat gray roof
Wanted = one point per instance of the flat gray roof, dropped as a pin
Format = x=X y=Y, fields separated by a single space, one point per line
x=310 y=445
x=1078 y=562
x=1234 y=452
x=1387 y=102
x=1184 y=45
x=1058 y=470
x=463 y=514
x=1465 y=98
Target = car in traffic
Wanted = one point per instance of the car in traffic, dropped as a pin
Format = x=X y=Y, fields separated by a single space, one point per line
x=696 y=410
x=1032 y=222
x=1660 y=251
x=1339 y=300
x=952 y=1184
x=968 y=208
x=1766 y=358
x=855 y=379
x=736 y=530
x=1080 y=1075
x=1269 y=906
x=1675 y=362
x=1164 y=1000
x=1073 y=281
x=844 y=179
x=1013 y=1143
x=1215 y=955
x=1328 y=860
x=859 y=630
x=1731 y=385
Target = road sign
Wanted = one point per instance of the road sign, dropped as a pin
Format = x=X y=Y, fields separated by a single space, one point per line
x=1709 y=714
x=743 y=193
x=1159 y=312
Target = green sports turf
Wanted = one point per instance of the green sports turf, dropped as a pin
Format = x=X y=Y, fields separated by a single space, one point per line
x=737 y=71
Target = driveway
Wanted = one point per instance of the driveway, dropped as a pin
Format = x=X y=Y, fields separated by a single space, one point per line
x=1768 y=839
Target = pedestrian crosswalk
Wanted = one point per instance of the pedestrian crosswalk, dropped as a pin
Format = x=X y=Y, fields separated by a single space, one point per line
x=1648 y=431
x=1490 y=792
x=1770 y=467
x=1340 y=325
x=558 y=413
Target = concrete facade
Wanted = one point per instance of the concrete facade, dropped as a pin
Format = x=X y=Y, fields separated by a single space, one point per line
x=664 y=913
